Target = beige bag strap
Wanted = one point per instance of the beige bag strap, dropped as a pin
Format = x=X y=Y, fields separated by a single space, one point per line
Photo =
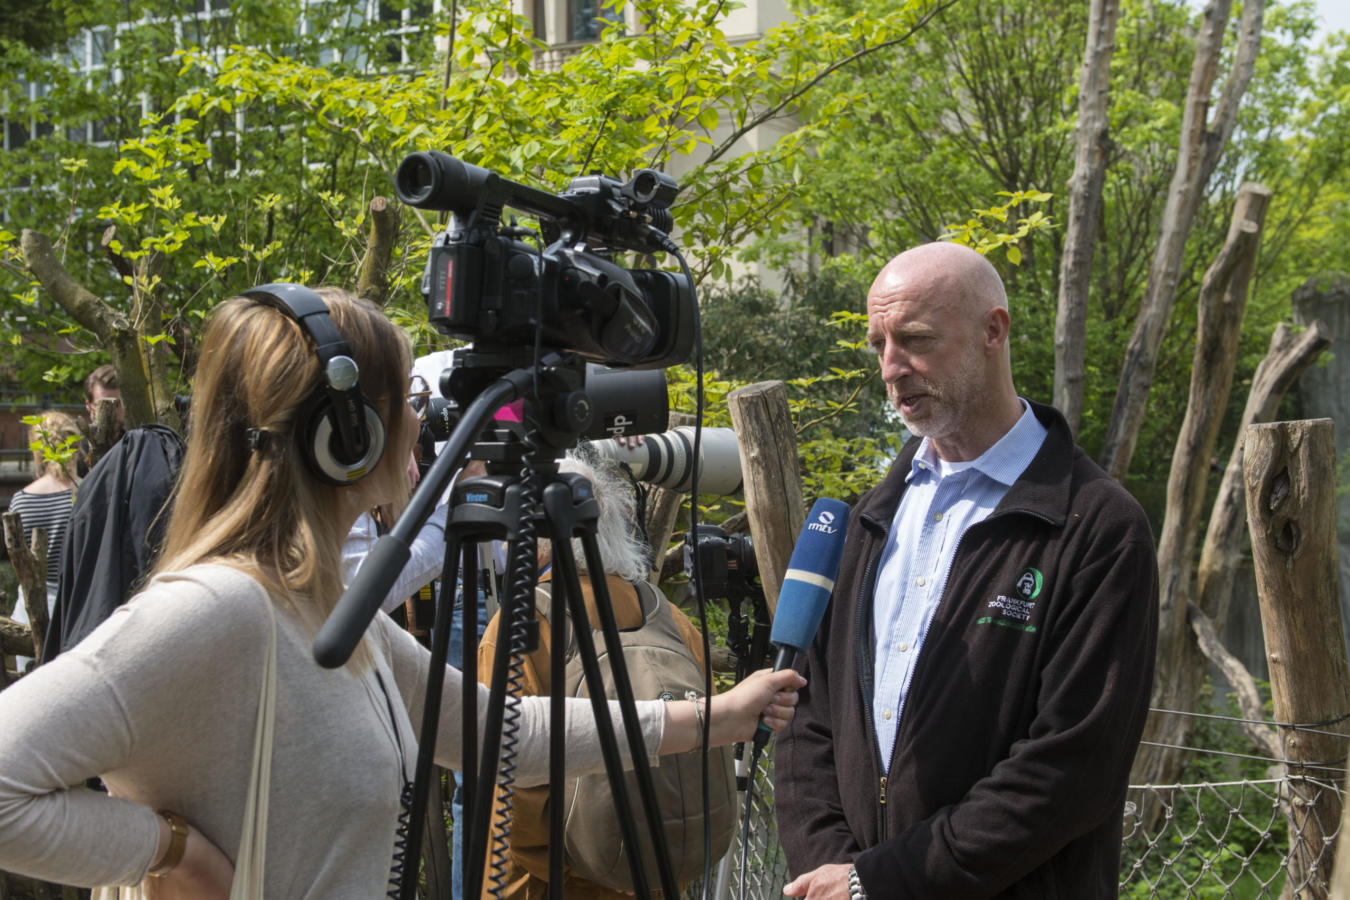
x=248 y=868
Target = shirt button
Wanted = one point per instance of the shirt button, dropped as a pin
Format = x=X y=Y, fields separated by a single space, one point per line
x=886 y=714
x=937 y=517
x=920 y=581
x=904 y=647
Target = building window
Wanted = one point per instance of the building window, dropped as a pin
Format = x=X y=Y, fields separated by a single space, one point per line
x=537 y=17
x=588 y=18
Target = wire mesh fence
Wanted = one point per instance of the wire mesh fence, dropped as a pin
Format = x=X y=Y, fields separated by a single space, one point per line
x=757 y=867
x=1267 y=835
x=1239 y=839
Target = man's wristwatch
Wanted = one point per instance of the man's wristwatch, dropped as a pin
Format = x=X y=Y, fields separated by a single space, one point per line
x=855 y=888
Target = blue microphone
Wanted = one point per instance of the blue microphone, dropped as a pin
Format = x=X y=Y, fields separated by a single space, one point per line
x=809 y=579
x=807 y=585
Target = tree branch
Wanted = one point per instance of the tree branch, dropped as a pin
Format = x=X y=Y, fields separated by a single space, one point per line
x=84 y=307
x=30 y=565
x=114 y=330
x=373 y=280
x=801 y=90
x=1248 y=697
x=1235 y=86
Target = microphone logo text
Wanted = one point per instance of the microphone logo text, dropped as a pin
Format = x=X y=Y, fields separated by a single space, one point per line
x=823 y=523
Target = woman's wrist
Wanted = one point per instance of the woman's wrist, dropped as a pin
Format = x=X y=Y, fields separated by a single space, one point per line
x=723 y=722
x=173 y=834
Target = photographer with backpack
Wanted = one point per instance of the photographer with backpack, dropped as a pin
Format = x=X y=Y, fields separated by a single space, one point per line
x=663 y=651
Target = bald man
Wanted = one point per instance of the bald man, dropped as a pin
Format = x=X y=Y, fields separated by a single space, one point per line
x=978 y=687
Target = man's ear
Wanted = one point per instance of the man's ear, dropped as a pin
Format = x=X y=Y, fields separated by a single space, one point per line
x=997 y=323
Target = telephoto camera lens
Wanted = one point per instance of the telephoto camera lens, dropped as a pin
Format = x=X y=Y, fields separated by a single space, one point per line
x=667 y=459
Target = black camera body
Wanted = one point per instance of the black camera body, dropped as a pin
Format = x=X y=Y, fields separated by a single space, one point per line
x=726 y=562
x=483 y=284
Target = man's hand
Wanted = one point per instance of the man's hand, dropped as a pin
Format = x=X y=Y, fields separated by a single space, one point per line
x=204 y=873
x=829 y=882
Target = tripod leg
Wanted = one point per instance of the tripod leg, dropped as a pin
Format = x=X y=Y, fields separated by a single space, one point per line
x=558 y=508
x=557 y=760
x=436 y=843
x=470 y=631
x=426 y=745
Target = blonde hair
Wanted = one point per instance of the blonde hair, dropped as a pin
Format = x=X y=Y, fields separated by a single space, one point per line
x=264 y=511
x=50 y=433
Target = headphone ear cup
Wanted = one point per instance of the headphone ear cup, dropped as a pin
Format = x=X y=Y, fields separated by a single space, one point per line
x=320 y=442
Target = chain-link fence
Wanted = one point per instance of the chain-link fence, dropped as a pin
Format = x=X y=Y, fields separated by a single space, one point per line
x=760 y=862
x=1249 y=838
x=1237 y=839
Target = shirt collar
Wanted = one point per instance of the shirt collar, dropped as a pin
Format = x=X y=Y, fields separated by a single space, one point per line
x=1004 y=462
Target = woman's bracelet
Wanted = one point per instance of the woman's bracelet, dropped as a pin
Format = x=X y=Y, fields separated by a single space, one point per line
x=178 y=829
x=693 y=697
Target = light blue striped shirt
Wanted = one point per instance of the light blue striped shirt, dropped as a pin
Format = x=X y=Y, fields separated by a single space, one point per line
x=943 y=500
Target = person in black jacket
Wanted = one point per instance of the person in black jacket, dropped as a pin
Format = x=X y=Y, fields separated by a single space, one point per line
x=115 y=532
x=979 y=684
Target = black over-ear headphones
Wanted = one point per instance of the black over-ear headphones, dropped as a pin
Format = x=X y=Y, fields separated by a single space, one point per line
x=341 y=435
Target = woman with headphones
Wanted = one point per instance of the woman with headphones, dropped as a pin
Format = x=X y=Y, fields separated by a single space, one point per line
x=229 y=754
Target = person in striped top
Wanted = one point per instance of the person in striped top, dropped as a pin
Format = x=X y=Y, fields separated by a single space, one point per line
x=46 y=502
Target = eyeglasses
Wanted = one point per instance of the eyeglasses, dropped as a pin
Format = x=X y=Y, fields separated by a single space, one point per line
x=419 y=396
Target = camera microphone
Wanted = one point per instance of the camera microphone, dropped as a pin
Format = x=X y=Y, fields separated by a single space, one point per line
x=806 y=586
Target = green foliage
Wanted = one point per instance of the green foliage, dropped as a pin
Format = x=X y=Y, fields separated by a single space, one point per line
x=982 y=231
x=803 y=338
x=248 y=152
x=44 y=442
x=984 y=106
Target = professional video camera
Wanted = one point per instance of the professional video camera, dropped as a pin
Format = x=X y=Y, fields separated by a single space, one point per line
x=483 y=284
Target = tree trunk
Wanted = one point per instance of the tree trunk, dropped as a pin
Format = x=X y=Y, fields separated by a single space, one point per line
x=1288 y=356
x=30 y=566
x=773 y=483
x=1324 y=392
x=1085 y=210
x=1223 y=302
x=1287 y=468
x=663 y=510
x=1200 y=146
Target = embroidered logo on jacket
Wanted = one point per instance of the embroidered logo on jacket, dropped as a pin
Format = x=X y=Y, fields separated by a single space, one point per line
x=1013 y=610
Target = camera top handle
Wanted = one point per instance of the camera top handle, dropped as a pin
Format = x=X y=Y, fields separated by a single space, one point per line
x=617 y=216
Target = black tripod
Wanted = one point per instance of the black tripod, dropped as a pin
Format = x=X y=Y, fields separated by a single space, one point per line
x=522 y=491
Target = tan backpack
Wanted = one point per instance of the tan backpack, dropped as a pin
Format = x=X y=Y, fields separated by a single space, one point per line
x=660 y=667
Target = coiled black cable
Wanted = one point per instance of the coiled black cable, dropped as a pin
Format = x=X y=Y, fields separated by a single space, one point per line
x=524 y=562
x=405 y=803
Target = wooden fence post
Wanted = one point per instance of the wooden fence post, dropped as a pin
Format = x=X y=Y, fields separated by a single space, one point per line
x=1290 y=470
x=773 y=482
x=30 y=565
